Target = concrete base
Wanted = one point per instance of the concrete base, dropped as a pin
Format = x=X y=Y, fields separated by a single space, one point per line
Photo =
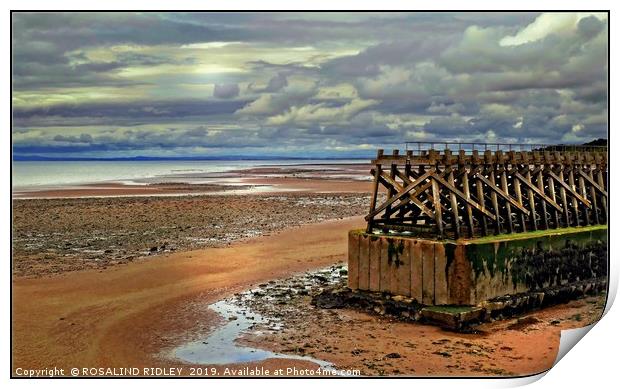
x=470 y=272
x=455 y=317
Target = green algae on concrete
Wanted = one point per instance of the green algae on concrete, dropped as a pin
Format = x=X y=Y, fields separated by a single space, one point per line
x=486 y=239
x=534 y=234
x=453 y=317
x=540 y=258
x=450 y=308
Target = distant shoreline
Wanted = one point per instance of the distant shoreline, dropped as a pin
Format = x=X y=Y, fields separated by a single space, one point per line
x=20 y=158
x=249 y=179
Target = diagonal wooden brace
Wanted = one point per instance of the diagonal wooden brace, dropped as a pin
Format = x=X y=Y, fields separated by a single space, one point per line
x=594 y=184
x=402 y=192
x=570 y=190
x=462 y=196
x=538 y=191
x=500 y=192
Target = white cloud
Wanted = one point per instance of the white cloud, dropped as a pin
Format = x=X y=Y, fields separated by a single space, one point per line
x=545 y=24
x=313 y=114
x=577 y=127
x=518 y=124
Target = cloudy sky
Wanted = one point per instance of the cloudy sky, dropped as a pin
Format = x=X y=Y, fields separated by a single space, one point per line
x=339 y=84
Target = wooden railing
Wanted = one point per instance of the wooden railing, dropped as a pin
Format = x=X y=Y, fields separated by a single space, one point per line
x=476 y=193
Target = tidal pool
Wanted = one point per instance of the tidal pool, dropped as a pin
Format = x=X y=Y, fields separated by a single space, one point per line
x=220 y=346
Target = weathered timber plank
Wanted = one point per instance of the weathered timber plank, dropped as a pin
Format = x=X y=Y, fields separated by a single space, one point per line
x=569 y=189
x=556 y=215
x=538 y=191
x=469 y=201
x=530 y=199
x=409 y=198
x=504 y=184
x=560 y=177
x=505 y=196
x=543 y=204
x=517 y=185
x=455 y=208
x=373 y=198
x=469 y=217
x=592 y=182
x=601 y=183
x=437 y=206
x=582 y=188
x=401 y=192
x=571 y=183
x=597 y=218
x=491 y=183
x=481 y=201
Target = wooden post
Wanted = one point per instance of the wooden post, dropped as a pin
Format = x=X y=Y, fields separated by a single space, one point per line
x=504 y=184
x=391 y=190
x=552 y=194
x=481 y=200
x=470 y=219
x=490 y=170
x=571 y=182
x=375 y=189
x=530 y=199
x=437 y=207
x=597 y=219
x=541 y=187
x=454 y=205
x=601 y=183
x=498 y=226
x=567 y=219
x=582 y=188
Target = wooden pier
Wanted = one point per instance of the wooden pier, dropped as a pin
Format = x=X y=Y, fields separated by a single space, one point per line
x=485 y=189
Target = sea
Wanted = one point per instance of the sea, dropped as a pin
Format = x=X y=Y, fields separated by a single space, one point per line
x=29 y=175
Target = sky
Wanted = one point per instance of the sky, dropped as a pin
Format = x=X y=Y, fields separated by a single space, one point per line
x=302 y=84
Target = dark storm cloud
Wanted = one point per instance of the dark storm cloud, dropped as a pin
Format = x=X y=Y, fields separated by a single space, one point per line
x=226 y=91
x=137 y=111
x=273 y=82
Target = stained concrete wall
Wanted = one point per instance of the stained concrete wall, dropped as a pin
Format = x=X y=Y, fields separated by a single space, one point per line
x=404 y=266
x=467 y=272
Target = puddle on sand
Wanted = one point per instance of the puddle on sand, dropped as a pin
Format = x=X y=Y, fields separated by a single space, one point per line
x=221 y=347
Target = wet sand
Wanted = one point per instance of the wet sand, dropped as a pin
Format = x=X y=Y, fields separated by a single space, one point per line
x=52 y=236
x=327 y=178
x=126 y=315
x=115 y=189
x=380 y=344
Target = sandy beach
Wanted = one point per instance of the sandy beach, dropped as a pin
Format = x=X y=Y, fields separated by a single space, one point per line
x=125 y=316
x=124 y=281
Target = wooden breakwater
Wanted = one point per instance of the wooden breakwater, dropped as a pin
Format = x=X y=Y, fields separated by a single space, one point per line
x=485 y=189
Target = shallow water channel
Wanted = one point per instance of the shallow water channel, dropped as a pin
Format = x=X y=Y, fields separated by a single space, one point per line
x=220 y=346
